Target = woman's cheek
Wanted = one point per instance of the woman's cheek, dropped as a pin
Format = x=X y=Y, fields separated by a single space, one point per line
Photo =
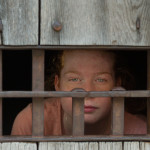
x=66 y=104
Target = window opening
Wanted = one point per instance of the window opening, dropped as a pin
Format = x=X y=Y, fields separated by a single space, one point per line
x=17 y=76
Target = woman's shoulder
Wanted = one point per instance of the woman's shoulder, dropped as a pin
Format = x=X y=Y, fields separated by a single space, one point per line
x=135 y=124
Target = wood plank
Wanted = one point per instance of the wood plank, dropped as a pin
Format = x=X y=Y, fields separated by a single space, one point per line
x=93 y=146
x=74 y=47
x=38 y=85
x=49 y=9
x=18 y=146
x=44 y=146
x=0 y=39
x=148 y=87
x=20 y=22
x=129 y=22
x=80 y=145
x=62 y=145
x=6 y=146
x=83 y=22
x=144 y=145
x=140 y=93
x=118 y=113
x=99 y=138
x=1 y=108
x=78 y=116
x=83 y=146
x=118 y=116
x=95 y=22
x=110 y=146
x=131 y=146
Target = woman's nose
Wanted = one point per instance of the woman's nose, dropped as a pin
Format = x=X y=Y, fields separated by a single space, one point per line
x=88 y=86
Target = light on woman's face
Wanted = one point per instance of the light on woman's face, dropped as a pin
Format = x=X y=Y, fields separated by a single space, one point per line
x=91 y=71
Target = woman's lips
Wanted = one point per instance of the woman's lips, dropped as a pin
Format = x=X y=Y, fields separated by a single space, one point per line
x=89 y=109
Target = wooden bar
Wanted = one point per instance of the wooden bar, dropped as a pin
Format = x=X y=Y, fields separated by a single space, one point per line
x=148 y=87
x=74 y=47
x=118 y=116
x=105 y=138
x=78 y=113
x=38 y=85
x=78 y=116
x=1 y=131
x=18 y=94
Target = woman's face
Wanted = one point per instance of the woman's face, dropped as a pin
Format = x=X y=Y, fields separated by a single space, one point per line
x=92 y=71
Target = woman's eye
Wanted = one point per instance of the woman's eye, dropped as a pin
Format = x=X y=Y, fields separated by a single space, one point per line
x=74 y=79
x=100 y=80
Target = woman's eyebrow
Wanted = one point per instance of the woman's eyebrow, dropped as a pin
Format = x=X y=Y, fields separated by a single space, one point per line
x=75 y=72
x=101 y=73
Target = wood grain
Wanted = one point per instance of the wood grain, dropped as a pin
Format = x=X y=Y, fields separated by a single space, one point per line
x=83 y=22
x=1 y=82
x=20 y=21
x=86 y=22
x=148 y=88
x=131 y=146
x=38 y=85
x=18 y=146
x=118 y=116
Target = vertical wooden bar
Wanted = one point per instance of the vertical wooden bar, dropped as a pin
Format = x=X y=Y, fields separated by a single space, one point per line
x=78 y=114
x=1 y=90
x=118 y=116
x=38 y=85
x=148 y=87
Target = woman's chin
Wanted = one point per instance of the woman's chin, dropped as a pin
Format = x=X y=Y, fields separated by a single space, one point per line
x=90 y=120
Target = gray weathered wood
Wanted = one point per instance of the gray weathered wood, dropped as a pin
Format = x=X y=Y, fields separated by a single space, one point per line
x=110 y=146
x=38 y=85
x=20 y=21
x=131 y=146
x=1 y=108
x=93 y=146
x=144 y=145
x=78 y=116
x=148 y=88
x=87 y=22
x=80 y=146
x=124 y=16
x=118 y=116
x=84 y=22
x=0 y=39
x=18 y=146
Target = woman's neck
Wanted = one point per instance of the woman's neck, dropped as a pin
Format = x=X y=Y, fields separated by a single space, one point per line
x=102 y=127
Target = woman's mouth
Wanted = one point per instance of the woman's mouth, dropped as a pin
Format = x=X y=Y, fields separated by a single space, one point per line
x=89 y=109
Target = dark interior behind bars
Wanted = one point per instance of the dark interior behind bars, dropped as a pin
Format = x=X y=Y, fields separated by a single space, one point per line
x=17 y=76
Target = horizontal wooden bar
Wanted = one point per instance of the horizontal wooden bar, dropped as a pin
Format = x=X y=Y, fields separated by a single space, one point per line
x=72 y=47
x=74 y=138
x=26 y=94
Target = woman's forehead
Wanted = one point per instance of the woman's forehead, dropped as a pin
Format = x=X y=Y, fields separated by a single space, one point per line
x=87 y=54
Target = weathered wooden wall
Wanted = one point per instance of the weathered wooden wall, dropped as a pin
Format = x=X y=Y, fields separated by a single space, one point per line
x=18 y=146
x=76 y=146
x=84 y=22
x=20 y=20
x=96 y=22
